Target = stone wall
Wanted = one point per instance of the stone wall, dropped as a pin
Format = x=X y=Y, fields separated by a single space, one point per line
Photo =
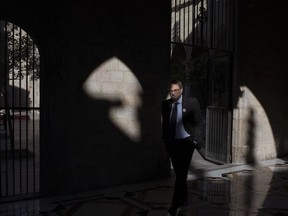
x=104 y=72
x=261 y=110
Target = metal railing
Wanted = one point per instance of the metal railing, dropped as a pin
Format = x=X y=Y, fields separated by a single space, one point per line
x=217 y=135
x=20 y=109
x=203 y=23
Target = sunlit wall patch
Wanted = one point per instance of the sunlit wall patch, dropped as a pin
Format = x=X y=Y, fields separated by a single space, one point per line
x=254 y=126
x=114 y=81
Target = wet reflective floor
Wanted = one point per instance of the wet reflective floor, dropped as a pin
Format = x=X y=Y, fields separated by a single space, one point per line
x=242 y=190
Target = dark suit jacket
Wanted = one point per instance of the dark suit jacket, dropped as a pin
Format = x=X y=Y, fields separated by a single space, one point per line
x=192 y=118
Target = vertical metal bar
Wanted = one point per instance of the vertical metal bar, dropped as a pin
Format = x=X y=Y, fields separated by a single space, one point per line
x=2 y=94
x=216 y=36
x=20 y=108
x=33 y=126
x=208 y=151
x=5 y=105
x=179 y=21
x=1 y=46
x=26 y=112
x=186 y=18
x=175 y=21
x=221 y=27
x=219 y=132
x=229 y=19
x=223 y=144
x=13 y=103
x=218 y=24
x=2 y=117
x=229 y=120
x=217 y=126
x=193 y=24
x=208 y=134
x=220 y=129
x=212 y=24
x=212 y=131
x=175 y=24
x=225 y=24
x=8 y=115
x=182 y=21
x=215 y=25
x=188 y=22
x=206 y=24
x=3 y=183
x=221 y=24
x=1 y=23
x=201 y=23
x=197 y=24
x=215 y=138
x=226 y=136
x=172 y=22
x=233 y=24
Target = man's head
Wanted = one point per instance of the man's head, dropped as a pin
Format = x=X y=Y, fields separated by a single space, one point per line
x=175 y=89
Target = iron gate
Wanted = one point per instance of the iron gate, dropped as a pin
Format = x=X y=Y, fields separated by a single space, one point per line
x=218 y=112
x=19 y=112
x=208 y=26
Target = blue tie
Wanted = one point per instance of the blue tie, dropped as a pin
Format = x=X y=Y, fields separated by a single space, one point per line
x=173 y=120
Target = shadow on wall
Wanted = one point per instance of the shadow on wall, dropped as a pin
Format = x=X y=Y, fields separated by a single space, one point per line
x=250 y=143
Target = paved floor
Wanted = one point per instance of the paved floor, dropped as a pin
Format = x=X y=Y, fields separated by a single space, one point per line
x=214 y=190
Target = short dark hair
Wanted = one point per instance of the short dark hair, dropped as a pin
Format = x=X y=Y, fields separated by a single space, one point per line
x=174 y=81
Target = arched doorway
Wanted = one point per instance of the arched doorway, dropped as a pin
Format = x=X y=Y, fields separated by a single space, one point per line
x=205 y=29
x=20 y=111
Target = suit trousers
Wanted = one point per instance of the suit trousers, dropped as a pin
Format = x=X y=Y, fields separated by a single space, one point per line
x=180 y=152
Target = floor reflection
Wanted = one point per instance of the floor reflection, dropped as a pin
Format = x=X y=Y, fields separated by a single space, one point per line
x=253 y=190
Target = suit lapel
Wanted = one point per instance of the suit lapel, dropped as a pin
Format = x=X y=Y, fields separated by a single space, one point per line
x=184 y=105
x=169 y=105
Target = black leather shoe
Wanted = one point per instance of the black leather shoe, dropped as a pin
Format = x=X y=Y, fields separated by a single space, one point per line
x=172 y=210
x=183 y=203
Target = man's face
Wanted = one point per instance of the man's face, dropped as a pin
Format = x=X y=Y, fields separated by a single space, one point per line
x=175 y=92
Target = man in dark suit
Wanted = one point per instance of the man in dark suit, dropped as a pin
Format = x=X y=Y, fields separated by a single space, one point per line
x=180 y=135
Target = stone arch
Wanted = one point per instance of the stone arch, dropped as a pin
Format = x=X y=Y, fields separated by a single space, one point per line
x=50 y=60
